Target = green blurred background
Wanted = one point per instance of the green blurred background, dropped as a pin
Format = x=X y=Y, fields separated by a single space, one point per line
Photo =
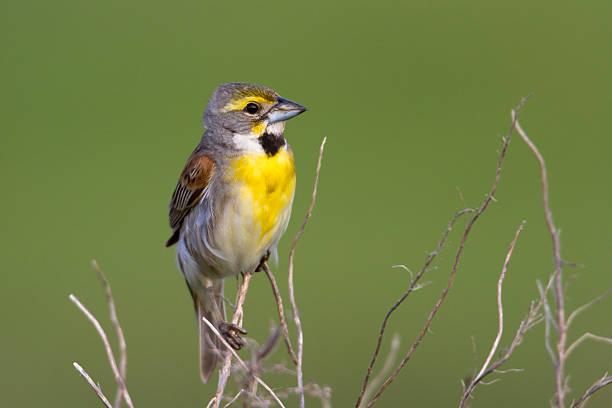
x=102 y=105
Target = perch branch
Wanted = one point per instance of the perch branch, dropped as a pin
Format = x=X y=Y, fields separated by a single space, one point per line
x=242 y=363
x=296 y=314
x=236 y=319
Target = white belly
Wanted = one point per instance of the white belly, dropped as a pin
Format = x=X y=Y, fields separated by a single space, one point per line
x=240 y=240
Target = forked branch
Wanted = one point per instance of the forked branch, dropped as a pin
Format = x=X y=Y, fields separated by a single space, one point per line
x=477 y=213
x=118 y=373
x=500 y=313
x=599 y=384
x=560 y=323
x=237 y=320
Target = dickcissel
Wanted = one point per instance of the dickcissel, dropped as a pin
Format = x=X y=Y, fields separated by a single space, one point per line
x=232 y=202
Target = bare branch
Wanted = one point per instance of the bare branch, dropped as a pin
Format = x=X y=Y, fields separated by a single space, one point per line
x=560 y=388
x=236 y=319
x=602 y=382
x=296 y=314
x=93 y=385
x=118 y=330
x=410 y=289
x=268 y=346
x=586 y=336
x=500 y=311
x=384 y=372
x=242 y=363
x=107 y=347
x=281 y=313
x=526 y=324
x=584 y=307
x=233 y=399
x=548 y=322
x=510 y=370
x=490 y=197
x=312 y=389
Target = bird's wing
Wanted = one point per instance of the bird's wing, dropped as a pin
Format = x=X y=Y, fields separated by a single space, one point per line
x=189 y=189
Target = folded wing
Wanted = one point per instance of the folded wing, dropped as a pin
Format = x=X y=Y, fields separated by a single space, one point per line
x=189 y=190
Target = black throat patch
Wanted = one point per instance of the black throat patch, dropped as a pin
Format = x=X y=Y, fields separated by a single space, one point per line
x=270 y=143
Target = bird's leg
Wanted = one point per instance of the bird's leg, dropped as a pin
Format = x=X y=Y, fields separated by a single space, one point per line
x=263 y=260
x=231 y=332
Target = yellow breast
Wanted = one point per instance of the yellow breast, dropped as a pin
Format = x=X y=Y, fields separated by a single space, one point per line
x=266 y=185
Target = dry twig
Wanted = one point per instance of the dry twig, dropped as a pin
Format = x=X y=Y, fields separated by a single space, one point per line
x=217 y=398
x=490 y=197
x=384 y=371
x=93 y=385
x=281 y=312
x=500 y=311
x=560 y=389
x=560 y=323
x=109 y=351
x=586 y=336
x=118 y=330
x=599 y=384
x=410 y=289
x=236 y=319
x=296 y=314
x=587 y=305
x=549 y=322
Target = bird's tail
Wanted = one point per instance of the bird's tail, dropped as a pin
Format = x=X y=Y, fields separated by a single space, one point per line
x=209 y=304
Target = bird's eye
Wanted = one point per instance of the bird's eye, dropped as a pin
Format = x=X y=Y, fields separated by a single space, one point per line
x=251 y=108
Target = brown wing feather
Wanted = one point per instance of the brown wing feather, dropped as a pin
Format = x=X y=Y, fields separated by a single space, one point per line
x=188 y=191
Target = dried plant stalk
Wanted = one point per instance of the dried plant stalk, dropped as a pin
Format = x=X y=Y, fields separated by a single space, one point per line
x=236 y=319
x=109 y=351
x=442 y=297
x=296 y=314
x=281 y=312
x=500 y=313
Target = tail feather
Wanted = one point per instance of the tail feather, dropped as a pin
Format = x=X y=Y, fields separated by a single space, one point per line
x=209 y=304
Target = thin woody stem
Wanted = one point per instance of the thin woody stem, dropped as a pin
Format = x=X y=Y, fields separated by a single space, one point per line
x=236 y=319
x=281 y=312
x=296 y=314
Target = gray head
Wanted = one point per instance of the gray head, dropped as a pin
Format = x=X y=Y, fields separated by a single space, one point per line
x=247 y=109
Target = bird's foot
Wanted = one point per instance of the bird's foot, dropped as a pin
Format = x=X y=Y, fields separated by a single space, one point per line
x=231 y=333
x=263 y=260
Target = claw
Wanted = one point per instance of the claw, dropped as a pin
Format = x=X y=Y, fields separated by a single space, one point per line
x=263 y=260
x=231 y=332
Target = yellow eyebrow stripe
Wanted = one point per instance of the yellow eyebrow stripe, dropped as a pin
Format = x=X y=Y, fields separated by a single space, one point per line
x=241 y=103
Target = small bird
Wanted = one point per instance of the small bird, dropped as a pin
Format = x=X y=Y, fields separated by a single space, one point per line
x=232 y=202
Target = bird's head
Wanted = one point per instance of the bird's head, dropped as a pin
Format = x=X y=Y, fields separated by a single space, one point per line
x=249 y=110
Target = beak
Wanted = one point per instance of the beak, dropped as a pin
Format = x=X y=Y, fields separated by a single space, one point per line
x=283 y=110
